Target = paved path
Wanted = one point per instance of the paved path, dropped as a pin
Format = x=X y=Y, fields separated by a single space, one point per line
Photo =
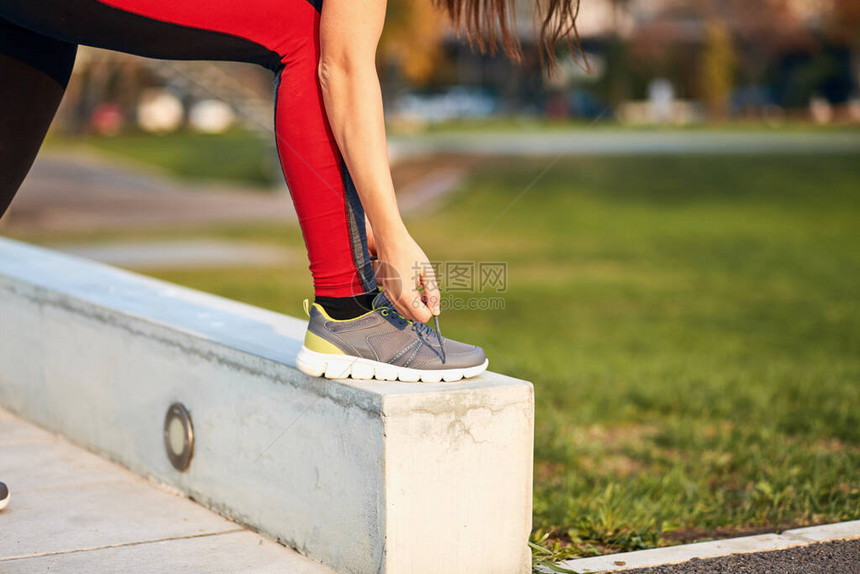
x=841 y=557
x=182 y=254
x=72 y=511
x=610 y=142
x=82 y=191
x=825 y=548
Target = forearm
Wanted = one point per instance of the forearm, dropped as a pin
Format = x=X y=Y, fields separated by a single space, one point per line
x=349 y=33
x=353 y=102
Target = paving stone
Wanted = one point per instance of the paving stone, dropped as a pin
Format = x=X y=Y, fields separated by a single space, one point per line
x=12 y=432
x=231 y=552
x=73 y=511
x=28 y=466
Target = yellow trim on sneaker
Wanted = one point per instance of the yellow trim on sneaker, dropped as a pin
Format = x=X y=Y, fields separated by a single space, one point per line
x=317 y=344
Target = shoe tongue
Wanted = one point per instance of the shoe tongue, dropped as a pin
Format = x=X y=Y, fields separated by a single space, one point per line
x=381 y=301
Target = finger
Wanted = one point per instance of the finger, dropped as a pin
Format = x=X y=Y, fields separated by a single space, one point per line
x=418 y=311
x=397 y=299
x=402 y=306
x=432 y=293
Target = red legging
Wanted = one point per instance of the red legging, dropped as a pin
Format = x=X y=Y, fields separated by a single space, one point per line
x=38 y=40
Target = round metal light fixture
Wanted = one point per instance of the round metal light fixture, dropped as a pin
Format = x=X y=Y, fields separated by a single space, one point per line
x=178 y=436
x=4 y=495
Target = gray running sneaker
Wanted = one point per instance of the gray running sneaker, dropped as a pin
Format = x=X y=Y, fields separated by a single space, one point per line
x=383 y=345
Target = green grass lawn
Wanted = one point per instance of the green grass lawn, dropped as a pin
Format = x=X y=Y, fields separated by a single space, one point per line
x=691 y=325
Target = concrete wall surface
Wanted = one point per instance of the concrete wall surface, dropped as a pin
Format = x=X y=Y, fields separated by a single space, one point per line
x=363 y=476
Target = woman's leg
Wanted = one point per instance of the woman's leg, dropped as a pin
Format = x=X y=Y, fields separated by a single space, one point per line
x=325 y=197
x=282 y=35
x=34 y=71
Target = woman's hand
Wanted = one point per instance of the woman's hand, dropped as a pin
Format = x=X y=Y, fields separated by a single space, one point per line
x=401 y=268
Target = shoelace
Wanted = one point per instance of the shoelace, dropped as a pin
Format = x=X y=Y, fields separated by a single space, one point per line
x=420 y=328
x=439 y=338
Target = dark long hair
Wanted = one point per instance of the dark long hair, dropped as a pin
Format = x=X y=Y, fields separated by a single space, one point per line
x=490 y=24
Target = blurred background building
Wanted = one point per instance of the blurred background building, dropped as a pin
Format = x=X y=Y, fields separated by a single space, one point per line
x=645 y=61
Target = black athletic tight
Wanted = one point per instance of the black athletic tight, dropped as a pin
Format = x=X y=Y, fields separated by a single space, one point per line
x=38 y=41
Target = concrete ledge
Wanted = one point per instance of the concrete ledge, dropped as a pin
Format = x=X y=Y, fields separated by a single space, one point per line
x=364 y=477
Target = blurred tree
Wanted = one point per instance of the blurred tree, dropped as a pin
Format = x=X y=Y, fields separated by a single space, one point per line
x=843 y=26
x=763 y=31
x=411 y=39
x=716 y=72
x=843 y=22
x=674 y=39
x=617 y=54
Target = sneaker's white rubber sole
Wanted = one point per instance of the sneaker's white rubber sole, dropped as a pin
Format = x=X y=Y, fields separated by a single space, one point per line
x=347 y=366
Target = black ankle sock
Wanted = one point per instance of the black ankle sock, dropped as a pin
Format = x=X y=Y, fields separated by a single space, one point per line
x=347 y=307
